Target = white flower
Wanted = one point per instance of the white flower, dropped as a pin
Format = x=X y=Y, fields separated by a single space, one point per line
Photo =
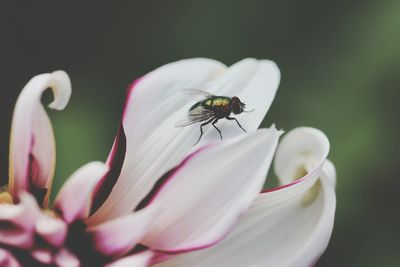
x=185 y=205
x=213 y=194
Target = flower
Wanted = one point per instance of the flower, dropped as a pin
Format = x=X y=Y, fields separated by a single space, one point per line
x=211 y=210
x=32 y=233
x=185 y=205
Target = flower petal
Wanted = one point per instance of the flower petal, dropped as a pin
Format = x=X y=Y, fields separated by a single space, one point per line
x=44 y=256
x=17 y=222
x=51 y=229
x=64 y=258
x=74 y=199
x=331 y=172
x=114 y=162
x=280 y=228
x=137 y=260
x=255 y=82
x=117 y=237
x=32 y=147
x=300 y=151
x=201 y=199
x=151 y=136
x=7 y=259
x=156 y=103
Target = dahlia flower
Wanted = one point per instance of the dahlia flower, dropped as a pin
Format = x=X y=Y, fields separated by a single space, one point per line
x=161 y=201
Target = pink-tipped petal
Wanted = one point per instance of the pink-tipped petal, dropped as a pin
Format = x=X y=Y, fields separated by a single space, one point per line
x=280 y=229
x=157 y=102
x=203 y=198
x=64 y=258
x=17 y=222
x=32 y=145
x=138 y=260
x=52 y=230
x=44 y=256
x=74 y=198
x=117 y=237
x=7 y=260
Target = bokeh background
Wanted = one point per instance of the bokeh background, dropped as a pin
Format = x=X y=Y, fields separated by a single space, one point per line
x=340 y=64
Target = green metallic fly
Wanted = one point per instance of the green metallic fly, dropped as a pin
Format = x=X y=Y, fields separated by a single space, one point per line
x=211 y=109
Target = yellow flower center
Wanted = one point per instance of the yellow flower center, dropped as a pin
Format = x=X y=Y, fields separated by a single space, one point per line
x=6 y=198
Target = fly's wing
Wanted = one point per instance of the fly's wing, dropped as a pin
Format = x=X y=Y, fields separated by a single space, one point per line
x=197 y=113
x=193 y=93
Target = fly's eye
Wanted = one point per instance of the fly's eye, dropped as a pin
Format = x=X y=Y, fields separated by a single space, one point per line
x=236 y=107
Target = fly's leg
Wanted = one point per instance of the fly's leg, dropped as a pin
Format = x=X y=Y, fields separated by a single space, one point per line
x=201 y=129
x=213 y=124
x=234 y=119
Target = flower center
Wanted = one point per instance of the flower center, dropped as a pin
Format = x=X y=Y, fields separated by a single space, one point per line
x=5 y=196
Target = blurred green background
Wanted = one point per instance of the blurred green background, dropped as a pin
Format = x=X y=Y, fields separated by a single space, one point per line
x=340 y=64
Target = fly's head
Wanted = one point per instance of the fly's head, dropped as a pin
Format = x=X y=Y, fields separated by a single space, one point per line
x=237 y=105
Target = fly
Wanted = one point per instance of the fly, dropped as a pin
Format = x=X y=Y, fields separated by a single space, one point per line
x=211 y=110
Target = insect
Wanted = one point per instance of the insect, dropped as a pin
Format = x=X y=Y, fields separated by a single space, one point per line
x=211 y=110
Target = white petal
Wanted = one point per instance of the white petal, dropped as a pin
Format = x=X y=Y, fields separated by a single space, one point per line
x=202 y=199
x=137 y=260
x=117 y=237
x=154 y=104
x=32 y=147
x=288 y=226
x=278 y=230
x=157 y=102
x=74 y=198
x=255 y=82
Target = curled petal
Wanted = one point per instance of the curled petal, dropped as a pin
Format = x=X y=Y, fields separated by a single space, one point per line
x=117 y=237
x=74 y=199
x=17 y=222
x=32 y=147
x=53 y=230
x=136 y=260
x=201 y=199
x=330 y=171
x=299 y=152
x=156 y=103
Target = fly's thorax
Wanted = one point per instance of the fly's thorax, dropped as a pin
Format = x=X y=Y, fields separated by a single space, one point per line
x=218 y=101
x=221 y=106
